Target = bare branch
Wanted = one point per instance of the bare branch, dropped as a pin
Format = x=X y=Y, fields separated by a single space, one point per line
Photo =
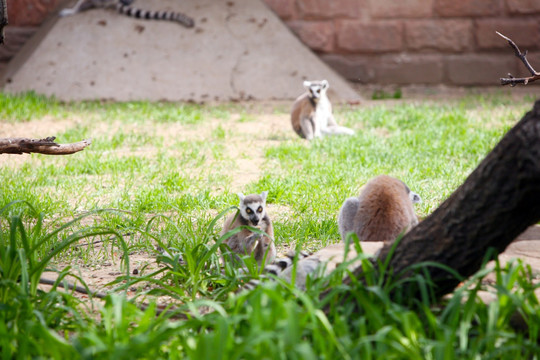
x=511 y=80
x=42 y=146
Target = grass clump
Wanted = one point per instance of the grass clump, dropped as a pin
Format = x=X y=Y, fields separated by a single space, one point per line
x=174 y=171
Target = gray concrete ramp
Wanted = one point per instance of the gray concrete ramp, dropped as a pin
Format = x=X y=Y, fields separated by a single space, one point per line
x=238 y=50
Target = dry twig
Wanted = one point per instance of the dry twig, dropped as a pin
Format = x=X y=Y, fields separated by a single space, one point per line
x=511 y=80
x=41 y=146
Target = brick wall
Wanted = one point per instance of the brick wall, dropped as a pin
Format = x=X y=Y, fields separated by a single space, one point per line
x=382 y=41
x=417 y=41
x=24 y=16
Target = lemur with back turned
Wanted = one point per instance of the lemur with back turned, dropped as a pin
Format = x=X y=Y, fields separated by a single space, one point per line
x=382 y=211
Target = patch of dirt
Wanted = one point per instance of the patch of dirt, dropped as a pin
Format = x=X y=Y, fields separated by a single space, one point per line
x=47 y=126
x=245 y=139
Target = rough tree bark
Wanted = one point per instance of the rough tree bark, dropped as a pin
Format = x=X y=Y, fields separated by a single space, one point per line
x=3 y=19
x=42 y=146
x=496 y=203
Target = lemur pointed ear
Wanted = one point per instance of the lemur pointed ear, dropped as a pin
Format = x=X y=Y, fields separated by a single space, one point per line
x=264 y=194
x=307 y=83
x=241 y=196
x=325 y=84
x=415 y=198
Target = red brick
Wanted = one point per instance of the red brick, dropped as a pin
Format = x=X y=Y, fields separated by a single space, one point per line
x=523 y=6
x=443 y=35
x=15 y=38
x=357 y=68
x=285 y=9
x=409 y=69
x=375 y=37
x=328 y=9
x=401 y=8
x=318 y=35
x=525 y=33
x=534 y=60
x=462 y=8
x=478 y=69
x=30 y=12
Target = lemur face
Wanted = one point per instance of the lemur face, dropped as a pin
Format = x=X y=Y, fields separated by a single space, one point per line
x=253 y=207
x=316 y=88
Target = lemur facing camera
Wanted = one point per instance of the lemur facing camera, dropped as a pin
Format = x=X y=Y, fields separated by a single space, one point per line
x=252 y=213
x=311 y=114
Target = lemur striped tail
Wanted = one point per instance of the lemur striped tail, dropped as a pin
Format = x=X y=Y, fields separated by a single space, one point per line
x=276 y=267
x=155 y=15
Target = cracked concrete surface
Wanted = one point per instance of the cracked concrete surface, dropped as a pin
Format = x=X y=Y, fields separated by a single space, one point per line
x=238 y=50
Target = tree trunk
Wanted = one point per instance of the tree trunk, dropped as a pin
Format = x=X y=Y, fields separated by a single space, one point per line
x=495 y=204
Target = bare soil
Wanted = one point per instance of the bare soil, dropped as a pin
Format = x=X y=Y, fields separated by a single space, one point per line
x=247 y=137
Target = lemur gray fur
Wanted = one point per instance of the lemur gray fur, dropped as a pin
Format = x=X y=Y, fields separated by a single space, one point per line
x=252 y=212
x=278 y=267
x=383 y=210
x=381 y=213
x=311 y=114
x=124 y=7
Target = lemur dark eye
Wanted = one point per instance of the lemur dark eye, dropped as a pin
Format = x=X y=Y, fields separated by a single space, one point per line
x=259 y=210
x=249 y=211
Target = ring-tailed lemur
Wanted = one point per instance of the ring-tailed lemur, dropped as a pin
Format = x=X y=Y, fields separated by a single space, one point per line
x=252 y=212
x=381 y=213
x=383 y=210
x=277 y=267
x=311 y=114
x=308 y=264
x=124 y=7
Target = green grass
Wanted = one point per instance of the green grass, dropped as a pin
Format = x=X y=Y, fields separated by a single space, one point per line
x=170 y=169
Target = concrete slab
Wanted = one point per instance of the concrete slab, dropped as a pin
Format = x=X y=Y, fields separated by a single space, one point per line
x=238 y=50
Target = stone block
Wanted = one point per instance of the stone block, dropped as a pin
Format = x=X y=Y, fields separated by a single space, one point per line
x=401 y=9
x=326 y=9
x=524 y=32
x=444 y=35
x=285 y=9
x=523 y=6
x=356 y=68
x=409 y=69
x=30 y=12
x=374 y=37
x=15 y=38
x=478 y=69
x=465 y=8
x=534 y=60
x=318 y=35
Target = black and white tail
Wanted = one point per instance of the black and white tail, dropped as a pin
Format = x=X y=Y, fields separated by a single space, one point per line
x=277 y=267
x=124 y=7
x=178 y=17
